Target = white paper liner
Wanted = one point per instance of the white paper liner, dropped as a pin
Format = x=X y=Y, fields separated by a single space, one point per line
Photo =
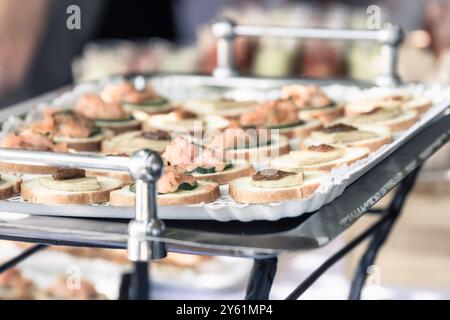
x=225 y=208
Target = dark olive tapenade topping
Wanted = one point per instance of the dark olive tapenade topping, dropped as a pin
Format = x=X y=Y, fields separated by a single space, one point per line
x=373 y=111
x=271 y=175
x=68 y=173
x=321 y=148
x=159 y=135
x=340 y=127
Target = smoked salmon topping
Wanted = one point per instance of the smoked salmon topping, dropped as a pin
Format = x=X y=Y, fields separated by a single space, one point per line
x=64 y=123
x=276 y=112
x=171 y=180
x=126 y=92
x=93 y=106
x=188 y=156
x=30 y=140
x=305 y=96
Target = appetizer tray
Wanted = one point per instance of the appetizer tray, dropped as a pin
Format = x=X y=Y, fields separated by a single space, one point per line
x=225 y=208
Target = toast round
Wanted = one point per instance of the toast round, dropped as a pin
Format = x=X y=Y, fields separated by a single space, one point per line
x=167 y=123
x=163 y=108
x=33 y=191
x=9 y=186
x=373 y=144
x=205 y=192
x=418 y=104
x=129 y=142
x=119 y=175
x=279 y=146
x=226 y=176
x=300 y=131
x=243 y=191
x=325 y=115
x=118 y=127
x=90 y=144
x=226 y=108
x=286 y=163
x=400 y=123
x=25 y=168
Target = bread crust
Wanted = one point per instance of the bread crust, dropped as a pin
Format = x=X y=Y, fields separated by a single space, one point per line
x=265 y=195
x=118 y=128
x=301 y=131
x=119 y=175
x=255 y=155
x=271 y=195
x=209 y=193
x=30 y=192
x=25 y=168
x=372 y=144
x=226 y=176
x=325 y=116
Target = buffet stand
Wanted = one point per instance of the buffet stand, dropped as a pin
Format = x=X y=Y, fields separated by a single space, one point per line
x=147 y=238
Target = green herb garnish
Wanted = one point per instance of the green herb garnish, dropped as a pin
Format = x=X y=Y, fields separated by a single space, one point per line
x=95 y=131
x=129 y=118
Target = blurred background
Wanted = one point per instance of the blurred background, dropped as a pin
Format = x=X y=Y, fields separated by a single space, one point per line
x=39 y=53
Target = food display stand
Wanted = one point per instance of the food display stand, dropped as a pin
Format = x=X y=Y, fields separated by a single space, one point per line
x=148 y=238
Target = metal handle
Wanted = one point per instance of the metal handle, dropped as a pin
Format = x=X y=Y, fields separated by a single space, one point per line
x=145 y=167
x=390 y=37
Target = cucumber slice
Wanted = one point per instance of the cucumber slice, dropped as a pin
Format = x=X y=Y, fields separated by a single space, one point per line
x=159 y=101
x=187 y=187
x=201 y=170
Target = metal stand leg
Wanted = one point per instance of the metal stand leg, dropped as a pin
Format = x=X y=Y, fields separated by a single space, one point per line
x=24 y=255
x=261 y=279
x=124 y=289
x=380 y=236
x=139 y=282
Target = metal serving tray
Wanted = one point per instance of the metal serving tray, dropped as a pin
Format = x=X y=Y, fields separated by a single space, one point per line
x=186 y=85
x=254 y=239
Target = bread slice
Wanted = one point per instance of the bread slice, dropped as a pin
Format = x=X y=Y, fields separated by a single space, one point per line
x=243 y=191
x=119 y=175
x=419 y=104
x=9 y=186
x=279 y=146
x=231 y=109
x=129 y=142
x=205 y=192
x=168 y=122
x=25 y=168
x=400 y=123
x=288 y=162
x=325 y=115
x=90 y=144
x=300 y=131
x=118 y=127
x=164 y=107
x=224 y=177
x=34 y=192
x=384 y=136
